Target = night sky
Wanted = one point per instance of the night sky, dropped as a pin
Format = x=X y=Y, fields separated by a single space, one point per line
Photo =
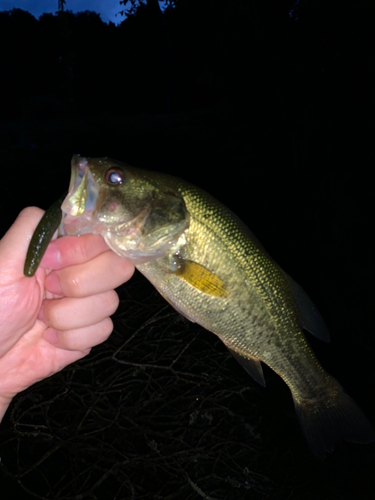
x=106 y=8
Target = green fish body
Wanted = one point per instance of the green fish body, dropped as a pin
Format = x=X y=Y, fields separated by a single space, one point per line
x=207 y=264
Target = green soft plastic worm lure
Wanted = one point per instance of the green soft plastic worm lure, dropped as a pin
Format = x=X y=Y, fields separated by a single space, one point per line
x=42 y=236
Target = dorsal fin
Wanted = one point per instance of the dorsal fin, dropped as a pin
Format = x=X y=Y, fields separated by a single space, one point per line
x=311 y=319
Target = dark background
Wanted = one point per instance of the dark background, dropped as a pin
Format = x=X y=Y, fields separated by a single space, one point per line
x=269 y=106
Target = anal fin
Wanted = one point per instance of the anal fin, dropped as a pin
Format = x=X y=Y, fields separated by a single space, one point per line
x=252 y=365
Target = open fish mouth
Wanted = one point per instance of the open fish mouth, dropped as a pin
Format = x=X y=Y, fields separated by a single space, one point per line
x=79 y=205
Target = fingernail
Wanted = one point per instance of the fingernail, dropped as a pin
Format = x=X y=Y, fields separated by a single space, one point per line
x=52 y=284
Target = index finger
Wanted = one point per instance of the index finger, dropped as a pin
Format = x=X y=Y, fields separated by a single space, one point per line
x=72 y=250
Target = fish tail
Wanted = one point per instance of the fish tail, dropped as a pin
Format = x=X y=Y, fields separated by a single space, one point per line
x=331 y=418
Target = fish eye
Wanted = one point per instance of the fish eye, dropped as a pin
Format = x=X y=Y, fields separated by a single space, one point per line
x=114 y=177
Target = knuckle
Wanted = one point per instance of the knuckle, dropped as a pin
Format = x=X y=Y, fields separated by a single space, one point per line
x=73 y=285
x=81 y=249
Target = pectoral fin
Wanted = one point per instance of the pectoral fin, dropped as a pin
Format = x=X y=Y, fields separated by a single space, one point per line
x=252 y=365
x=201 y=278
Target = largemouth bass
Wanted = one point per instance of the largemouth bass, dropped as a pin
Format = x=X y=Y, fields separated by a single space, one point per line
x=208 y=265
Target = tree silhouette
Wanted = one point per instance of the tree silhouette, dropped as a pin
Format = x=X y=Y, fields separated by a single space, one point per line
x=61 y=4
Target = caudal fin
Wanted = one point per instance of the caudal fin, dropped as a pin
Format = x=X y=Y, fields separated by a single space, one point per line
x=336 y=418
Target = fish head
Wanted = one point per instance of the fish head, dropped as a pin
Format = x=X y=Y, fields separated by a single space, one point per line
x=139 y=216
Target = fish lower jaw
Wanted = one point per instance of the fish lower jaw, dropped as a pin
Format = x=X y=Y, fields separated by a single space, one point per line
x=134 y=251
x=76 y=225
x=138 y=250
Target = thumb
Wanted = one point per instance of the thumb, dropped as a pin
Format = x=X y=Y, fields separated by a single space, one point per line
x=15 y=242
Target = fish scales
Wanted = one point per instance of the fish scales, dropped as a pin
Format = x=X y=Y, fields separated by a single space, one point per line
x=260 y=313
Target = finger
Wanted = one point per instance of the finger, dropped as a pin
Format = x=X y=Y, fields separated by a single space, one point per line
x=105 y=272
x=71 y=313
x=72 y=250
x=80 y=339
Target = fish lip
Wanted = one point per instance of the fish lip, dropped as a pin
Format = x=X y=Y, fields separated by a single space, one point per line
x=79 y=204
x=78 y=167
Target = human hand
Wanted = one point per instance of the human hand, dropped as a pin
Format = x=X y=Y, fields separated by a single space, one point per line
x=55 y=317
